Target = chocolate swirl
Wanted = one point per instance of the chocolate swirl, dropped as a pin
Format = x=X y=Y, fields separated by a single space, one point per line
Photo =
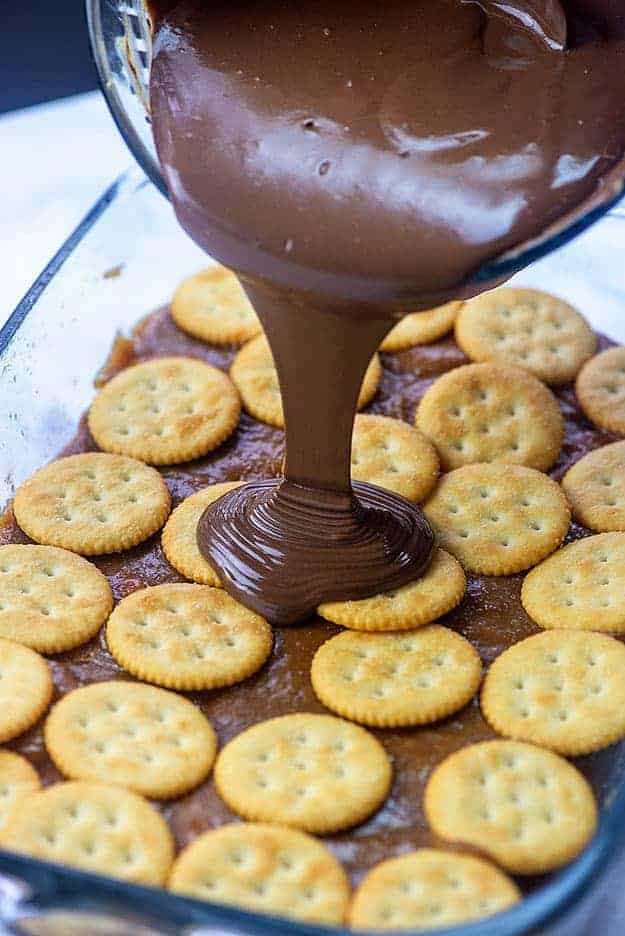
x=282 y=549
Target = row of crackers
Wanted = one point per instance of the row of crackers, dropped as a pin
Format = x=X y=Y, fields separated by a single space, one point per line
x=375 y=679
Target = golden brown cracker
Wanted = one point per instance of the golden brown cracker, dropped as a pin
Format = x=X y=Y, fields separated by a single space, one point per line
x=600 y=389
x=92 y=503
x=213 y=307
x=429 y=889
x=491 y=413
x=151 y=741
x=51 y=600
x=95 y=827
x=526 y=807
x=165 y=410
x=561 y=689
x=187 y=637
x=429 y=597
x=25 y=688
x=18 y=778
x=498 y=522
x=179 y=536
x=417 y=328
x=266 y=869
x=393 y=680
x=315 y=772
x=393 y=455
x=581 y=587
x=529 y=328
x=595 y=487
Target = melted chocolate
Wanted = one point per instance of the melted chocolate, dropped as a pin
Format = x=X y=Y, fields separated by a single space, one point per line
x=544 y=20
x=283 y=548
x=355 y=544
x=347 y=159
x=491 y=615
x=383 y=150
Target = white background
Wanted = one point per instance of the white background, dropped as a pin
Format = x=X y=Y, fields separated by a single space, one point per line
x=55 y=160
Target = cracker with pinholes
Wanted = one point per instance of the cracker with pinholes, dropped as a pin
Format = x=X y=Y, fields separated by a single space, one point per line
x=25 y=688
x=51 y=600
x=213 y=307
x=264 y=868
x=495 y=521
x=393 y=455
x=581 y=587
x=491 y=413
x=600 y=389
x=179 y=537
x=95 y=827
x=18 y=778
x=428 y=889
x=92 y=503
x=526 y=807
x=393 y=680
x=419 y=328
x=187 y=637
x=166 y=410
x=254 y=374
x=435 y=593
x=531 y=329
x=151 y=741
x=595 y=487
x=315 y=772
x=562 y=689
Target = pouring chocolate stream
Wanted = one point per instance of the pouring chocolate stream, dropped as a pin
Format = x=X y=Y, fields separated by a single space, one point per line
x=352 y=162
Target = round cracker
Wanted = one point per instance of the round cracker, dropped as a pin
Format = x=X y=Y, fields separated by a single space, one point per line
x=600 y=389
x=428 y=889
x=437 y=592
x=526 y=807
x=95 y=827
x=561 y=689
x=532 y=329
x=491 y=413
x=213 y=307
x=51 y=600
x=179 y=536
x=187 y=637
x=393 y=680
x=92 y=503
x=254 y=374
x=166 y=410
x=581 y=587
x=498 y=522
x=390 y=453
x=25 y=688
x=266 y=869
x=18 y=778
x=418 y=328
x=151 y=741
x=595 y=487
x=314 y=772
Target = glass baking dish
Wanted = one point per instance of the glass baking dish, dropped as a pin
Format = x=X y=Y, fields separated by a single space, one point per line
x=124 y=260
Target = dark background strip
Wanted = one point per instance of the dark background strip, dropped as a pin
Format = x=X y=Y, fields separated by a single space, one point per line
x=44 y=52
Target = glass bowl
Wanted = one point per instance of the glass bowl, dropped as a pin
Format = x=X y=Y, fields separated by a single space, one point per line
x=121 y=44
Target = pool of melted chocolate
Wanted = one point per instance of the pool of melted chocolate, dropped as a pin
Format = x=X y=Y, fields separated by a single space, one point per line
x=491 y=615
